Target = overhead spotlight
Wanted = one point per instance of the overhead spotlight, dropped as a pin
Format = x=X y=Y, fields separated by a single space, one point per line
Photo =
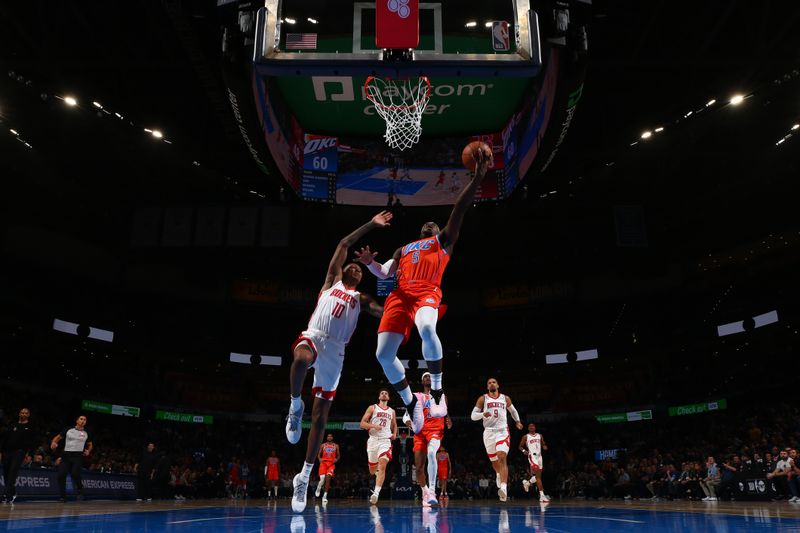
x=70 y=101
x=737 y=99
x=15 y=132
x=148 y=130
x=795 y=126
x=658 y=129
x=647 y=134
x=711 y=102
x=488 y=24
x=689 y=114
x=313 y=21
x=157 y=134
x=98 y=105
x=470 y=24
x=290 y=20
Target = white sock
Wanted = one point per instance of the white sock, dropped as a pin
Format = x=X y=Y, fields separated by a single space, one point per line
x=305 y=473
x=406 y=395
x=436 y=381
x=503 y=486
x=321 y=482
x=325 y=494
x=296 y=403
x=377 y=489
x=533 y=479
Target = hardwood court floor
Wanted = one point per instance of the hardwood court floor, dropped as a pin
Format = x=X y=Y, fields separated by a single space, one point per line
x=401 y=517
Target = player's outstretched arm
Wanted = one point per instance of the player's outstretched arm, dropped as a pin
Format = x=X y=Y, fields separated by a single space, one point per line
x=523 y=445
x=366 y=418
x=477 y=411
x=371 y=305
x=366 y=257
x=513 y=412
x=381 y=220
x=449 y=235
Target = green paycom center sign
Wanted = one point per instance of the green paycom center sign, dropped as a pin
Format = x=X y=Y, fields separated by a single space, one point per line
x=697 y=408
x=110 y=409
x=632 y=416
x=184 y=417
x=338 y=105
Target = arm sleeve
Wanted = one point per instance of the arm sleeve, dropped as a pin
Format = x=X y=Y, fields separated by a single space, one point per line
x=477 y=414
x=381 y=271
x=514 y=413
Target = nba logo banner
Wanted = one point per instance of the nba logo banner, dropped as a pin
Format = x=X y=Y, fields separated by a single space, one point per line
x=500 y=42
x=397 y=23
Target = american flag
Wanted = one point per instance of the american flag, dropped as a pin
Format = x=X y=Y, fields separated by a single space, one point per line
x=297 y=41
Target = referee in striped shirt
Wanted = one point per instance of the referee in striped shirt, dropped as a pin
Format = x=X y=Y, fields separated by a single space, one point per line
x=77 y=445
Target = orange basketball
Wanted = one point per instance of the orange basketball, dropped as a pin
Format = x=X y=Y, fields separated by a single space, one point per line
x=470 y=151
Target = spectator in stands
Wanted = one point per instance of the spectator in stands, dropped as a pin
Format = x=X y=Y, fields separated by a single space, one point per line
x=622 y=486
x=711 y=481
x=780 y=476
x=727 y=485
x=794 y=477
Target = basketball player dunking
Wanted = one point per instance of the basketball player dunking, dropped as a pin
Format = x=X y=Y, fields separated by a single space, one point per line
x=381 y=422
x=427 y=442
x=321 y=347
x=419 y=267
x=532 y=444
x=493 y=408
x=328 y=457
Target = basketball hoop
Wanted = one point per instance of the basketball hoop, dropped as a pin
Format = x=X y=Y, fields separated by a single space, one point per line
x=401 y=104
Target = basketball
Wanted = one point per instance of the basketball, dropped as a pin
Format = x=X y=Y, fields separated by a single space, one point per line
x=468 y=154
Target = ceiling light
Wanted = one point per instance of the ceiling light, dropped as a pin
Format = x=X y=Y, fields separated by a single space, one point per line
x=312 y=21
x=795 y=126
x=737 y=99
x=290 y=20
x=14 y=132
x=488 y=24
x=647 y=134
x=70 y=101
x=97 y=105
x=658 y=129
x=148 y=130
x=157 y=134
x=689 y=114
x=710 y=102
x=470 y=24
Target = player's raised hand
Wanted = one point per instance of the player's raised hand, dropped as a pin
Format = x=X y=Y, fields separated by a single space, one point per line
x=382 y=219
x=482 y=160
x=365 y=255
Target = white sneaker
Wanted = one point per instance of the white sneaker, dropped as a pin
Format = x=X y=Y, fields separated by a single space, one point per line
x=497 y=480
x=318 y=491
x=294 y=427
x=299 y=496
x=707 y=498
x=432 y=497
x=543 y=497
x=137 y=499
x=373 y=498
x=713 y=499
x=794 y=500
x=417 y=415
x=324 y=499
x=526 y=485
x=501 y=493
x=438 y=410
x=425 y=498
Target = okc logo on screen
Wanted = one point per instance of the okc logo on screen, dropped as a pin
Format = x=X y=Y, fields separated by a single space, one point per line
x=400 y=7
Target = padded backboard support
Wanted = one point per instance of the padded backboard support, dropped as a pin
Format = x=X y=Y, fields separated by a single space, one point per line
x=397 y=23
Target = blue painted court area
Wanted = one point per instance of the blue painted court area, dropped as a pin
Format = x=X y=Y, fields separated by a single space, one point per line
x=400 y=518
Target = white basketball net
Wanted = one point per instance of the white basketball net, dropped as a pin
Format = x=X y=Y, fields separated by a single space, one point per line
x=401 y=104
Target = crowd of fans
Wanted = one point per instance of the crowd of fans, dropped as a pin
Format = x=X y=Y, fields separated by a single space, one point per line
x=694 y=457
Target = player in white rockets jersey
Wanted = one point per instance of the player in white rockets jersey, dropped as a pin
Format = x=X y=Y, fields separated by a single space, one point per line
x=321 y=347
x=381 y=422
x=532 y=444
x=493 y=408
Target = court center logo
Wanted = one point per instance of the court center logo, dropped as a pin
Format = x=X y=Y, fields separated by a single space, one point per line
x=400 y=7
